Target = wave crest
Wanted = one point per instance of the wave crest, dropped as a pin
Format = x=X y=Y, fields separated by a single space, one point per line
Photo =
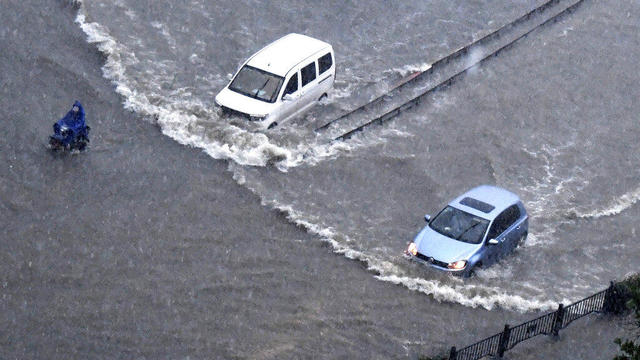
x=617 y=206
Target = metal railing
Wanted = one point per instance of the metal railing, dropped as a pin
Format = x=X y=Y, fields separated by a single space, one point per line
x=415 y=100
x=610 y=300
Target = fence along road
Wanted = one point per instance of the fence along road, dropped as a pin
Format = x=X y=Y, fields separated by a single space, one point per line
x=610 y=300
x=448 y=69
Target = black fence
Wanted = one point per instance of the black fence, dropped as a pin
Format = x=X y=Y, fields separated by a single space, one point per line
x=611 y=300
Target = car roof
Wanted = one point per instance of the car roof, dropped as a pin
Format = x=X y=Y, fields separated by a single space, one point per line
x=498 y=198
x=285 y=53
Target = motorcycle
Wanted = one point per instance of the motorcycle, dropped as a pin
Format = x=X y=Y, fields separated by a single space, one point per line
x=70 y=132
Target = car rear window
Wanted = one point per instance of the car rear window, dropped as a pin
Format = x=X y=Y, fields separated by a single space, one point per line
x=477 y=204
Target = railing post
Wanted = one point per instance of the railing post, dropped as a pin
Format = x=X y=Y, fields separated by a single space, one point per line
x=453 y=354
x=504 y=340
x=557 y=323
x=612 y=300
x=607 y=303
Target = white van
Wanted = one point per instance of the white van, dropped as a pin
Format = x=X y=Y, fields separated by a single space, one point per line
x=280 y=81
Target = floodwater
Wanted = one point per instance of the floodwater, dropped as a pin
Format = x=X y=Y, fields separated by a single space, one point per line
x=284 y=244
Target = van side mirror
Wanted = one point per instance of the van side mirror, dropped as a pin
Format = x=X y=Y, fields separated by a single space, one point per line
x=288 y=97
x=427 y=218
x=493 y=242
x=229 y=76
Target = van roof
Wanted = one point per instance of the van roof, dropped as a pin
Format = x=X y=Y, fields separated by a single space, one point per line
x=283 y=54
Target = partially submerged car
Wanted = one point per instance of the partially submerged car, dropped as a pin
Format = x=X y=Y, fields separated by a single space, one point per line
x=474 y=230
x=280 y=81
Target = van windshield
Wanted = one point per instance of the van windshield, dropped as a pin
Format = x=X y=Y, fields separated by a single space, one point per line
x=257 y=84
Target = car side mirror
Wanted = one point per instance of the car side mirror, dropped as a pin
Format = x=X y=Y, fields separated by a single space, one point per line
x=427 y=218
x=493 y=242
x=229 y=76
x=288 y=97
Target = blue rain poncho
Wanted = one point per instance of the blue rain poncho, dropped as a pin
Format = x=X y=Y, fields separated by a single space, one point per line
x=74 y=120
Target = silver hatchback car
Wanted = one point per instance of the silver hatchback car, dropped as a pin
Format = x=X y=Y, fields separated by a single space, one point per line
x=476 y=229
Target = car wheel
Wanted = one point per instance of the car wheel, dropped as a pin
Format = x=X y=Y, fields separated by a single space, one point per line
x=474 y=270
x=323 y=96
x=272 y=125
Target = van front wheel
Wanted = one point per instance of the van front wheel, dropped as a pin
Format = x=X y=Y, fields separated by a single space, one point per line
x=323 y=96
x=272 y=125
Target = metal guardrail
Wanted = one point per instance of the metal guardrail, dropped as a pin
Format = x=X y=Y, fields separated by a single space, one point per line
x=486 y=347
x=449 y=81
x=610 y=300
x=446 y=59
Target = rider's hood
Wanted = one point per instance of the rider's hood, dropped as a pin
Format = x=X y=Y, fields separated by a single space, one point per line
x=73 y=119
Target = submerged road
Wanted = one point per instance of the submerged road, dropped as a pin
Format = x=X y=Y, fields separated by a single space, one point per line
x=144 y=248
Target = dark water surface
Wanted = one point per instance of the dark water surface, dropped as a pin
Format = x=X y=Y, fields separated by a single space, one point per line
x=145 y=248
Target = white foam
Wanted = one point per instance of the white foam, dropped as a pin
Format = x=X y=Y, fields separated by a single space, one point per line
x=411 y=69
x=474 y=57
x=463 y=294
x=548 y=189
x=341 y=92
x=615 y=207
x=165 y=33
x=393 y=132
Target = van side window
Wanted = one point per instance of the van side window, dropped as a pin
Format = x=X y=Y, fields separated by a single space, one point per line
x=325 y=62
x=292 y=85
x=308 y=73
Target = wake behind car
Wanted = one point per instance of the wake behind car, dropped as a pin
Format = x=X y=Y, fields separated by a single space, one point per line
x=281 y=81
x=475 y=230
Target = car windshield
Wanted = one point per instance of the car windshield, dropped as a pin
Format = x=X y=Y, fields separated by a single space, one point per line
x=257 y=84
x=460 y=225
